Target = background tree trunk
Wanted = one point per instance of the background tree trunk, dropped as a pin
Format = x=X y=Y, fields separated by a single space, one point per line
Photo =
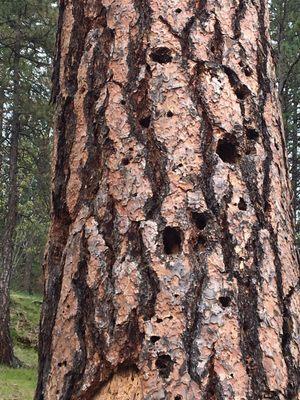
x=7 y=243
x=171 y=271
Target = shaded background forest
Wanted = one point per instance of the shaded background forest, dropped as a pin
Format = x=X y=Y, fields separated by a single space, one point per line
x=27 y=37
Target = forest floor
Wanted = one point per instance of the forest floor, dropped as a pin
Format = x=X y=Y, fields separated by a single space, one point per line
x=19 y=383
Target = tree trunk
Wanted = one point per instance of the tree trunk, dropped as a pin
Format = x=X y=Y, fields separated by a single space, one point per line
x=294 y=161
x=6 y=347
x=1 y=127
x=171 y=271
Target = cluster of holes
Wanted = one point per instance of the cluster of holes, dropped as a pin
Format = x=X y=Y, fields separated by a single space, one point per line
x=162 y=55
x=172 y=240
x=200 y=220
x=164 y=363
x=227 y=151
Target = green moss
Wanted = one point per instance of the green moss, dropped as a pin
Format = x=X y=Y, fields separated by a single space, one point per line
x=20 y=383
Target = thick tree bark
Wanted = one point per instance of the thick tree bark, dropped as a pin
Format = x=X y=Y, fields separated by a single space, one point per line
x=1 y=126
x=294 y=162
x=7 y=243
x=171 y=271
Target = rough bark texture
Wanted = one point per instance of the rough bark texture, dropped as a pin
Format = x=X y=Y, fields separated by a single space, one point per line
x=171 y=271
x=7 y=240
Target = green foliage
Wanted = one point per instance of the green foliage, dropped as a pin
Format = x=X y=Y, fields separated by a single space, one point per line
x=33 y=22
x=19 y=384
x=285 y=33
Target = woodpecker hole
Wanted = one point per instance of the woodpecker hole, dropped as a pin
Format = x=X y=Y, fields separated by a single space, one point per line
x=227 y=151
x=248 y=71
x=178 y=397
x=154 y=339
x=162 y=55
x=170 y=114
x=145 y=122
x=164 y=364
x=62 y=364
x=200 y=220
x=225 y=301
x=242 y=204
x=125 y=161
x=252 y=134
x=178 y=10
x=172 y=240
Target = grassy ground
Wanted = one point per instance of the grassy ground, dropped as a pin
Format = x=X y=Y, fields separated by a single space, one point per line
x=19 y=384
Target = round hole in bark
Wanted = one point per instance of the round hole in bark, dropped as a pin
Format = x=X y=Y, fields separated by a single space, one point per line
x=159 y=320
x=178 y=10
x=164 y=363
x=227 y=151
x=125 y=161
x=242 y=204
x=145 y=122
x=154 y=339
x=178 y=397
x=200 y=219
x=172 y=240
x=225 y=301
x=252 y=134
x=123 y=102
x=170 y=114
x=162 y=55
x=247 y=71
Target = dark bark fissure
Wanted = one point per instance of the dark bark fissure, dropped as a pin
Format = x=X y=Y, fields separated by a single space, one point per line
x=293 y=371
x=213 y=390
x=66 y=128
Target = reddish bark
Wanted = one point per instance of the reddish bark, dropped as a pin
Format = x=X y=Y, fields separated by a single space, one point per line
x=171 y=271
